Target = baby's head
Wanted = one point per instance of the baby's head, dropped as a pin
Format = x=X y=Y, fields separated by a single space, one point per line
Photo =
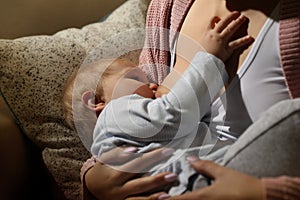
x=92 y=87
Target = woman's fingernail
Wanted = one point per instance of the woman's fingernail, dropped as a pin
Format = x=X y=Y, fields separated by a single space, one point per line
x=168 y=152
x=192 y=158
x=130 y=150
x=171 y=177
x=163 y=196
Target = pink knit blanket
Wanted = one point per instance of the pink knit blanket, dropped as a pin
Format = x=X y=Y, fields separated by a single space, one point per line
x=161 y=26
x=289 y=38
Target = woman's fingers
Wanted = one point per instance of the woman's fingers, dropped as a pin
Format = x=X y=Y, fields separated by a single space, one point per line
x=285 y=186
x=295 y=183
x=157 y=196
x=207 y=168
x=145 y=161
x=127 y=160
x=291 y=186
x=149 y=183
x=131 y=165
x=119 y=185
x=199 y=194
x=118 y=155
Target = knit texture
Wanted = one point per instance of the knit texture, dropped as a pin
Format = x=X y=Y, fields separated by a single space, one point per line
x=289 y=38
x=164 y=20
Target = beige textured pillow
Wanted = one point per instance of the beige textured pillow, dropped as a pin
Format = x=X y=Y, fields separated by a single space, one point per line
x=33 y=71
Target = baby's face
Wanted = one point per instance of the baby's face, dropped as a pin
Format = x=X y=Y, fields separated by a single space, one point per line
x=127 y=80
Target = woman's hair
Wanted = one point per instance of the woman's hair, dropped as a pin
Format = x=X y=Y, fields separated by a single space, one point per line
x=89 y=77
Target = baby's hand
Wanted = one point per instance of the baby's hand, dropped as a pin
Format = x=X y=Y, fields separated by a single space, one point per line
x=218 y=39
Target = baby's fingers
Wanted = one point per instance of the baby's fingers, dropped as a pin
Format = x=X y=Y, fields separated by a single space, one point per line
x=241 y=43
x=222 y=24
x=233 y=26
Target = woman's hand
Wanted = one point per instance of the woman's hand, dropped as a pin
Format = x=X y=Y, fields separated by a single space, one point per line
x=116 y=182
x=227 y=184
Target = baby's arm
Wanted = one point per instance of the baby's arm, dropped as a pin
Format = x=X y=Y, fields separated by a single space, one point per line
x=217 y=41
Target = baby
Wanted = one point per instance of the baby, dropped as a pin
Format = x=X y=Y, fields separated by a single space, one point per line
x=115 y=101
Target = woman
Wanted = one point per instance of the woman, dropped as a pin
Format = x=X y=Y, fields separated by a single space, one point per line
x=254 y=65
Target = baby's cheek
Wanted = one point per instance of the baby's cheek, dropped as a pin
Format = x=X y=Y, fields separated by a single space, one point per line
x=123 y=88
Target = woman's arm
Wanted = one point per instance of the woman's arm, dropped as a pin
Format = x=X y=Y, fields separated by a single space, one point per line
x=119 y=184
x=282 y=187
x=228 y=183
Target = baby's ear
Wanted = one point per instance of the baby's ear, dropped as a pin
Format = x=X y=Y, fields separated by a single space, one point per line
x=88 y=98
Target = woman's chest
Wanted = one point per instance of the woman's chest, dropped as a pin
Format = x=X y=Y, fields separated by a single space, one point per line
x=199 y=17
